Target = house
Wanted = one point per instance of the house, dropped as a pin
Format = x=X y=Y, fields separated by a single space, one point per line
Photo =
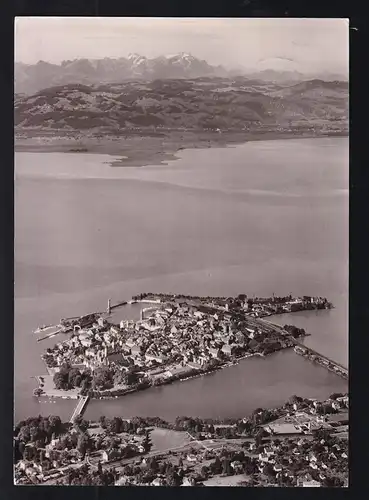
x=193 y=364
x=228 y=349
x=191 y=458
x=269 y=452
x=237 y=467
x=311 y=483
x=188 y=481
x=214 y=352
x=135 y=350
x=108 y=455
x=263 y=457
x=158 y=358
x=23 y=464
x=30 y=471
x=158 y=482
x=101 y=321
x=86 y=342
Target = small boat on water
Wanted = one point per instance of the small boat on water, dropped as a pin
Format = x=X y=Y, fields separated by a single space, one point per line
x=43 y=328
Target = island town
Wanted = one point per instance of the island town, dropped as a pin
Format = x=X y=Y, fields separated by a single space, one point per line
x=176 y=338
x=303 y=443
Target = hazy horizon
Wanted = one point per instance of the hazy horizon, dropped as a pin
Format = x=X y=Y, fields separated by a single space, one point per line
x=303 y=45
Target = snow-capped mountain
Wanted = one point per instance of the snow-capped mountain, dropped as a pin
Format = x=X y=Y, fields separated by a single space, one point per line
x=32 y=78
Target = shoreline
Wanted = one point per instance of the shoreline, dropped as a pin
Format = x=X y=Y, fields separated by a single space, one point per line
x=127 y=392
x=146 y=150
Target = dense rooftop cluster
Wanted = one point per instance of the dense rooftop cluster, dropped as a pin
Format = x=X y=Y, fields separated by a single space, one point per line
x=178 y=340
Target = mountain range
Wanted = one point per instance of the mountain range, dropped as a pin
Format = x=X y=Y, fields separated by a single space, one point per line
x=30 y=78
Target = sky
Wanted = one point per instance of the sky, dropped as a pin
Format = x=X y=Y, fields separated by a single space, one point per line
x=305 y=45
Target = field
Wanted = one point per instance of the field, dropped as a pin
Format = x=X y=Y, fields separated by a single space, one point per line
x=164 y=439
x=225 y=481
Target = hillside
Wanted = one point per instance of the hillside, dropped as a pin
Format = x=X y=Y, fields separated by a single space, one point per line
x=202 y=104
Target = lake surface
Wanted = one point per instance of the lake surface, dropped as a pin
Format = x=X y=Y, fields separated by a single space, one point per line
x=264 y=217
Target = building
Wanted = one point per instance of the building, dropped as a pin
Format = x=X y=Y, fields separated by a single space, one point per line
x=311 y=483
x=108 y=455
x=214 y=352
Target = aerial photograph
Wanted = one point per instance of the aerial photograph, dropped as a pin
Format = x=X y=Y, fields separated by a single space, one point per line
x=181 y=252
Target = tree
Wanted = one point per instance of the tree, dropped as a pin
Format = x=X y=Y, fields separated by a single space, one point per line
x=34 y=433
x=72 y=376
x=204 y=472
x=102 y=378
x=336 y=395
x=55 y=423
x=84 y=443
x=115 y=425
x=61 y=380
x=128 y=471
x=85 y=385
x=131 y=378
x=172 y=478
x=216 y=466
x=146 y=443
x=226 y=466
x=29 y=453
x=295 y=399
x=153 y=464
x=24 y=434
x=77 y=422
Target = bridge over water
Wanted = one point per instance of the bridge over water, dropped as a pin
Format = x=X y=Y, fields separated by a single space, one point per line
x=342 y=369
x=80 y=408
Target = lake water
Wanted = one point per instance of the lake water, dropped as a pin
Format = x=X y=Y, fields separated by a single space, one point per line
x=264 y=217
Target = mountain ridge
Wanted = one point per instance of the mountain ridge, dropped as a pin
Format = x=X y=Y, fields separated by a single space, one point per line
x=31 y=78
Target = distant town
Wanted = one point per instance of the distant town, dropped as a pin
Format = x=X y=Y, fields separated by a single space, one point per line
x=176 y=338
x=303 y=443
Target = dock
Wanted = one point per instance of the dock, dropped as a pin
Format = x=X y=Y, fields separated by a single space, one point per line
x=120 y=304
x=80 y=408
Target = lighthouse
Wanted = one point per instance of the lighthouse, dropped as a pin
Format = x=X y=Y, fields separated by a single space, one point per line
x=109 y=306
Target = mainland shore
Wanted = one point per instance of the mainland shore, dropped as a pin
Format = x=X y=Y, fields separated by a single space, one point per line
x=144 y=149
